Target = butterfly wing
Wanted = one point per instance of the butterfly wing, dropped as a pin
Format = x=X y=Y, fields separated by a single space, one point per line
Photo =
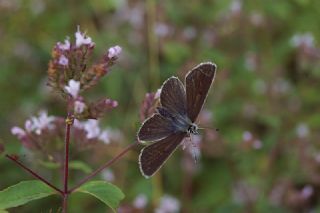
x=173 y=96
x=154 y=156
x=155 y=128
x=198 y=82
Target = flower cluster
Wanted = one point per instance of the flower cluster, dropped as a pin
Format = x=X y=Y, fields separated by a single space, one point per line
x=69 y=74
x=149 y=104
x=44 y=134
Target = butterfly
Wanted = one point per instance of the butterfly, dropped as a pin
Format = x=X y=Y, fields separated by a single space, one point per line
x=175 y=117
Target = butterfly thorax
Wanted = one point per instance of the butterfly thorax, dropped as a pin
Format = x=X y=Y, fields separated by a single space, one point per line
x=180 y=122
x=193 y=129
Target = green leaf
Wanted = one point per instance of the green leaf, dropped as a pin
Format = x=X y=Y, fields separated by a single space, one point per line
x=24 y=192
x=49 y=164
x=79 y=165
x=3 y=211
x=104 y=191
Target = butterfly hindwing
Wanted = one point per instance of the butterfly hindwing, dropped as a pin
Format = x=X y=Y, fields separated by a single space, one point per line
x=153 y=156
x=198 y=82
x=155 y=128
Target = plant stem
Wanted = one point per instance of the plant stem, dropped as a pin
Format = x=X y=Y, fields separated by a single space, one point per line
x=69 y=122
x=34 y=174
x=107 y=164
x=154 y=75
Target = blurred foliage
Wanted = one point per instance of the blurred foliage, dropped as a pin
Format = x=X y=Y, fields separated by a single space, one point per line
x=265 y=98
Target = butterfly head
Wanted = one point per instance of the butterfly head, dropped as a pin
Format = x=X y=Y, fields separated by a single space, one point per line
x=193 y=129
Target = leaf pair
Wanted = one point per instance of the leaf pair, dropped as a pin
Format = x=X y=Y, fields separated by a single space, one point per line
x=27 y=191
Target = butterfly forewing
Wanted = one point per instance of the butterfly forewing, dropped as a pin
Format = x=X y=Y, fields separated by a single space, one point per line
x=153 y=156
x=173 y=96
x=198 y=82
x=155 y=128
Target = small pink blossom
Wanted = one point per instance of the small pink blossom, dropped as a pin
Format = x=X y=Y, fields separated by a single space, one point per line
x=257 y=144
x=28 y=126
x=105 y=136
x=64 y=46
x=307 y=191
x=168 y=204
x=19 y=132
x=64 y=61
x=73 y=88
x=111 y=103
x=82 y=39
x=42 y=122
x=92 y=128
x=140 y=201
x=114 y=51
x=108 y=175
x=305 y=40
x=79 y=107
x=247 y=136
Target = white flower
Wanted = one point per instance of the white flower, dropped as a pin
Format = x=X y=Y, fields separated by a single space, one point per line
x=73 y=88
x=108 y=175
x=78 y=124
x=28 y=126
x=105 y=136
x=42 y=122
x=19 y=132
x=140 y=201
x=302 y=130
x=162 y=29
x=236 y=6
x=63 y=60
x=92 y=128
x=111 y=103
x=307 y=191
x=114 y=51
x=247 y=136
x=79 y=107
x=82 y=39
x=64 y=46
x=305 y=39
x=168 y=204
x=257 y=144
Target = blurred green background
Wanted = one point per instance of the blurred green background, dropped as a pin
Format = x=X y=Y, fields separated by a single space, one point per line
x=265 y=99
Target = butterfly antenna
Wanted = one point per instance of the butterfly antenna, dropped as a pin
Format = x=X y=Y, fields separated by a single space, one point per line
x=217 y=129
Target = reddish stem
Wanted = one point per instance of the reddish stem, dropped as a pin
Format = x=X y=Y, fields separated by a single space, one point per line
x=34 y=174
x=69 y=122
x=107 y=164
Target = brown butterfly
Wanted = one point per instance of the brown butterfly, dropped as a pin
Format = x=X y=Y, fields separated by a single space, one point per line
x=174 y=120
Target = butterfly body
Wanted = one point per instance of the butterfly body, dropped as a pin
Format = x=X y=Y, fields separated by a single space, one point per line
x=175 y=118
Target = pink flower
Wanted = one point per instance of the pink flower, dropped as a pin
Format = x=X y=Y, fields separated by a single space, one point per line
x=73 y=88
x=64 y=46
x=168 y=204
x=114 y=51
x=108 y=175
x=63 y=60
x=92 y=128
x=19 y=132
x=79 y=107
x=105 y=136
x=140 y=201
x=42 y=122
x=247 y=136
x=82 y=39
x=111 y=103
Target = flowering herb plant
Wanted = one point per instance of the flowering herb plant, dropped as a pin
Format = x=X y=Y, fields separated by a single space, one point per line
x=69 y=75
